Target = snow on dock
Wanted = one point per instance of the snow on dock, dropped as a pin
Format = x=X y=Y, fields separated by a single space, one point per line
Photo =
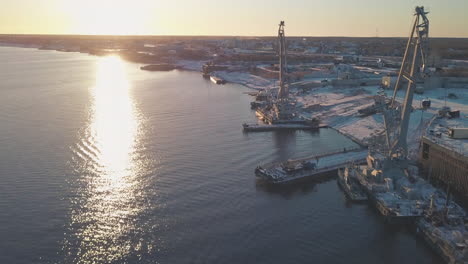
x=437 y=132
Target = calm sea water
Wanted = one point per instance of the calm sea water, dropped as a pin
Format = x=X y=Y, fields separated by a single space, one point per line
x=103 y=163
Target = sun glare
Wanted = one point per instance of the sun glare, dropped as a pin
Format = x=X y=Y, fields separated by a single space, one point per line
x=109 y=17
x=111 y=169
x=114 y=125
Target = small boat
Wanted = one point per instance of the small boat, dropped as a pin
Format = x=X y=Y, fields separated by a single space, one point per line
x=350 y=185
x=217 y=80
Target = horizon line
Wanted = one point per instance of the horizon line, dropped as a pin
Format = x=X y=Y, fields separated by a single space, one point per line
x=220 y=36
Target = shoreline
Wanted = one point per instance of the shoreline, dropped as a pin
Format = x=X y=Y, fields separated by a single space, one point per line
x=334 y=105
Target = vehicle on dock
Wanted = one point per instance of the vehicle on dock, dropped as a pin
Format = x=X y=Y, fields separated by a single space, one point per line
x=349 y=182
x=310 y=167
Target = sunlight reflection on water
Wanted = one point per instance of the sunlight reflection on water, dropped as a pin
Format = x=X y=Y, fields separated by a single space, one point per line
x=109 y=167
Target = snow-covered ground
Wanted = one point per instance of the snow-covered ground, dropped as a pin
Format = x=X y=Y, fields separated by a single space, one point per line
x=440 y=127
x=190 y=65
x=437 y=97
x=246 y=79
x=338 y=107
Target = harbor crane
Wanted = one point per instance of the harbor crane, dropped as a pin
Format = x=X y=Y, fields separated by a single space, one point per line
x=283 y=107
x=413 y=70
x=283 y=92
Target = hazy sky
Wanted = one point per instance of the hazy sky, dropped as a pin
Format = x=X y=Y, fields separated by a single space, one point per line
x=230 y=17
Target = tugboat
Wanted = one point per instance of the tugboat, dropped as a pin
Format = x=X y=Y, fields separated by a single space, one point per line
x=348 y=181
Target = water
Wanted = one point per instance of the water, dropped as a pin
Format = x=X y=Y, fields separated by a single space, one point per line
x=103 y=163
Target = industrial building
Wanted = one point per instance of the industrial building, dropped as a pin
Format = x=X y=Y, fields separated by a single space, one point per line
x=444 y=158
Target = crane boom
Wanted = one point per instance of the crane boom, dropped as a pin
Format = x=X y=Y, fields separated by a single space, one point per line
x=412 y=70
x=283 y=89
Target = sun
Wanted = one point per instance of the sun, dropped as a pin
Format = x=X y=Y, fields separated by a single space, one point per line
x=109 y=17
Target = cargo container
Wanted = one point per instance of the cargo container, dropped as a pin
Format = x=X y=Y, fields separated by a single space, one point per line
x=458 y=132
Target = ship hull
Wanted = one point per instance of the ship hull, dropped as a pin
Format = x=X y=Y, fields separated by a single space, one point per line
x=390 y=216
x=441 y=247
x=355 y=196
x=316 y=176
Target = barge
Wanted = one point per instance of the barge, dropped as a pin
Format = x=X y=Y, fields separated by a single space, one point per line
x=278 y=127
x=395 y=208
x=400 y=198
x=310 y=167
x=443 y=227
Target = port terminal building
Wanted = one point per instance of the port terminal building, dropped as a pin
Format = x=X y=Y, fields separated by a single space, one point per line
x=444 y=159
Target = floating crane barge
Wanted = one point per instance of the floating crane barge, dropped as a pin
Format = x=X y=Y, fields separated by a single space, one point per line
x=278 y=111
x=392 y=185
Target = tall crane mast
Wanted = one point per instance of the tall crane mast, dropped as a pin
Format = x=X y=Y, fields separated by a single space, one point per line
x=413 y=69
x=283 y=89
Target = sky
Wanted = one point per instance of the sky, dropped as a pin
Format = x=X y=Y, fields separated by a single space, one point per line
x=361 y=18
